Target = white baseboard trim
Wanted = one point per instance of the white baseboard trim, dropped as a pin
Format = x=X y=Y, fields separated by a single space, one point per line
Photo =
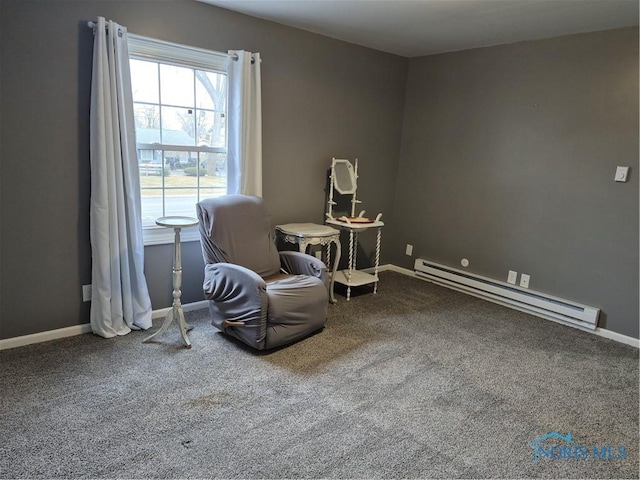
x=160 y=313
x=39 y=337
x=44 y=336
x=618 y=337
x=388 y=267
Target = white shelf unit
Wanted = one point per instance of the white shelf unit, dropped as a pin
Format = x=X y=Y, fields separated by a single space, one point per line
x=351 y=276
x=355 y=278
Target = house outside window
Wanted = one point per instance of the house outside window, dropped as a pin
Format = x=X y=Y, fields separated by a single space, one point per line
x=180 y=112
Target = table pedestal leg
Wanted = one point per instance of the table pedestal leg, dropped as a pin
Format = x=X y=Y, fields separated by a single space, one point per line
x=335 y=269
x=302 y=247
x=176 y=312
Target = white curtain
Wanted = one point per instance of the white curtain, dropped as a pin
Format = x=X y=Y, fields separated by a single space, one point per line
x=244 y=152
x=120 y=299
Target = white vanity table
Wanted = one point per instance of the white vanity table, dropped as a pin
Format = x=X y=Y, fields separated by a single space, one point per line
x=344 y=181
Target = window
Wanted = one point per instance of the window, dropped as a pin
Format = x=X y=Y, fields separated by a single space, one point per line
x=180 y=112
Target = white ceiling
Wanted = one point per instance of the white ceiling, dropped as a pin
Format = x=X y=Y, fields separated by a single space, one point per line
x=414 y=28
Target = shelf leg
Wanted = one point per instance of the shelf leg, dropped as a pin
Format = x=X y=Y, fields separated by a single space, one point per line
x=351 y=263
x=375 y=272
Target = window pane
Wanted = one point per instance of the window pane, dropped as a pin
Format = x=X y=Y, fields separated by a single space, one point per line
x=178 y=126
x=211 y=91
x=176 y=86
x=215 y=165
x=212 y=192
x=147 y=122
x=183 y=166
x=151 y=207
x=144 y=81
x=211 y=128
x=153 y=175
x=177 y=161
x=145 y=156
x=181 y=202
x=150 y=165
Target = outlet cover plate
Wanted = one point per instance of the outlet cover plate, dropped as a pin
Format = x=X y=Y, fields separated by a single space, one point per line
x=621 y=174
x=86 y=293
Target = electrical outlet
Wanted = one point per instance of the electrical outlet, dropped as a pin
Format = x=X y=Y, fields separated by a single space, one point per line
x=86 y=293
x=409 y=250
x=621 y=174
x=318 y=254
x=524 y=280
x=512 y=277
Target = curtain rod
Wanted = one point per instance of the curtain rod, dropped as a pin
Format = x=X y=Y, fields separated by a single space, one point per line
x=93 y=25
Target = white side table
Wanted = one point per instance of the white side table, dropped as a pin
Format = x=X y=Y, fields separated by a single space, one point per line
x=177 y=223
x=352 y=277
x=305 y=234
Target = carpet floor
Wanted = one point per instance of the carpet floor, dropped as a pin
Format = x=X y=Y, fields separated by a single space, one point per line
x=417 y=381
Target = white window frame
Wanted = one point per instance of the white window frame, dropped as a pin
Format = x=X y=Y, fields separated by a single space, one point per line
x=151 y=49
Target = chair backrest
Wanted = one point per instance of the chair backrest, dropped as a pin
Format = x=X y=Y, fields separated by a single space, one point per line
x=237 y=229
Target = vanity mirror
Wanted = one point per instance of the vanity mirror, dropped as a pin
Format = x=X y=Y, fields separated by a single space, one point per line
x=344 y=180
x=344 y=177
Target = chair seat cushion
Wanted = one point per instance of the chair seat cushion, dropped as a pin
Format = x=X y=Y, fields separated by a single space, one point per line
x=297 y=307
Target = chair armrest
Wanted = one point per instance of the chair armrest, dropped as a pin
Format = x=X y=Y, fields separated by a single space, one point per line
x=238 y=301
x=223 y=281
x=298 y=263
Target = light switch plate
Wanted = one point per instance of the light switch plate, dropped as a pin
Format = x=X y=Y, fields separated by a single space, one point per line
x=621 y=174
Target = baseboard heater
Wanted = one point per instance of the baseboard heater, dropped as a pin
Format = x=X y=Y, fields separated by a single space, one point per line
x=536 y=303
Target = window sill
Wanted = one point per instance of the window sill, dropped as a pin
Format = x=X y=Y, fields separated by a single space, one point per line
x=163 y=236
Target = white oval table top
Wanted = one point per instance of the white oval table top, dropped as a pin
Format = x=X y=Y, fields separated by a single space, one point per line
x=307 y=230
x=177 y=221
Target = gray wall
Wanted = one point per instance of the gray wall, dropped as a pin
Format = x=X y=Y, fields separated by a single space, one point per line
x=508 y=158
x=508 y=152
x=321 y=98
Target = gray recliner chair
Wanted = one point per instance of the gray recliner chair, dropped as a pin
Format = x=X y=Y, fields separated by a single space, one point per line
x=256 y=294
